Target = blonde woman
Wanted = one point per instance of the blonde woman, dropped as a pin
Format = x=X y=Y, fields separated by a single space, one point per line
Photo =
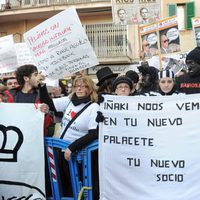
x=78 y=124
x=84 y=94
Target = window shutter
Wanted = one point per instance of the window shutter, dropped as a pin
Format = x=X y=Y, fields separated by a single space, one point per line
x=172 y=9
x=189 y=14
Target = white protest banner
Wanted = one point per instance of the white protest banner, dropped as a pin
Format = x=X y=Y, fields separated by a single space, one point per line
x=196 y=29
x=21 y=152
x=8 y=56
x=23 y=54
x=149 y=148
x=135 y=11
x=61 y=47
x=169 y=35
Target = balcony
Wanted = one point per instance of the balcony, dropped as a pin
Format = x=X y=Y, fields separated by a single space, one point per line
x=15 y=10
x=110 y=42
x=11 y=4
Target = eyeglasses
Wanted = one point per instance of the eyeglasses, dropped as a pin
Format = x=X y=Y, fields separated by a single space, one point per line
x=146 y=45
x=80 y=86
x=125 y=87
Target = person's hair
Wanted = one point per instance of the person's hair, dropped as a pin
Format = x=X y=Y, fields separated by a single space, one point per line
x=106 y=86
x=24 y=70
x=161 y=35
x=90 y=84
x=143 y=8
x=144 y=39
x=10 y=78
x=5 y=79
x=120 y=10
x=63 y=86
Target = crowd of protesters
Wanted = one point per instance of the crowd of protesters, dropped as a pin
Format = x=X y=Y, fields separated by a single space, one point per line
x=78 y=110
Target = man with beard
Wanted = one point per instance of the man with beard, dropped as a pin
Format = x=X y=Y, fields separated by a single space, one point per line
x=148 y=80
x=190 y=82
x=28 y=79
x=31 y=91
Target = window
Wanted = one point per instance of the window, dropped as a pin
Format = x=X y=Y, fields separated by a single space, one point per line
x=184 y=13
x=17 y=37
x=3 y=34
x=181 y=16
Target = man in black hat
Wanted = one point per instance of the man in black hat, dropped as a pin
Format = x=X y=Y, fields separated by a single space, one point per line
x=190 y=82
x=105 y=78
x=134 y=78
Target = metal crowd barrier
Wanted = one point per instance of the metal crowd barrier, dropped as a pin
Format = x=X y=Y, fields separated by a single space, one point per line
x=80 y=188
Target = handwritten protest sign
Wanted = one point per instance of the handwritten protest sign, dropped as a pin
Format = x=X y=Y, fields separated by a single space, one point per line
x=60 y=46
x=8 y=56
x=196 y=29
x=21 y=152
x=149 y=148
x=23 y=54
x=135 y=11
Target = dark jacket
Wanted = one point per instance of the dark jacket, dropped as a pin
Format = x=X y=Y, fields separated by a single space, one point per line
x=188 y=85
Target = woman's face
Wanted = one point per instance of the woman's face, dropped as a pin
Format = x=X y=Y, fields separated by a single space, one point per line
x=81 y=89
x=166 y=84
x=123 y=89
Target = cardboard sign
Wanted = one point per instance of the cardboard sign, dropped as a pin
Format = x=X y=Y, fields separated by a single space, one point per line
x=60 y=45
x=8 y=56
x=23 y=54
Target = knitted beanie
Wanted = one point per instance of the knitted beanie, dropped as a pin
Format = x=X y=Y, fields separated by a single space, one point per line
x=166 y=73
x=122 y=79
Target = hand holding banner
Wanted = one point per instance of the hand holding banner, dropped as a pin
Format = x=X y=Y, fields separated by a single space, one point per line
x=149 y=148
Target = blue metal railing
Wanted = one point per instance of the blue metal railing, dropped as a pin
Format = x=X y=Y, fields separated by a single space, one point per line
x=83 y=156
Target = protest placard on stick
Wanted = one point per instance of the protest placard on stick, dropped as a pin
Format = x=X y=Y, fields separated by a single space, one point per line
x=60 y=45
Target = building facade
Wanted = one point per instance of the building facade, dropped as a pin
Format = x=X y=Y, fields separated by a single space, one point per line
x=113 y=44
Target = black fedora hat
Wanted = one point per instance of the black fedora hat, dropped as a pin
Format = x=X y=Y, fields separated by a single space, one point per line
x=103 y=74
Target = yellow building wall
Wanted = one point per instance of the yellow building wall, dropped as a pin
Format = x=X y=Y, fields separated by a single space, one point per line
x=186 y=37
x=96 y=19
x=21 y=27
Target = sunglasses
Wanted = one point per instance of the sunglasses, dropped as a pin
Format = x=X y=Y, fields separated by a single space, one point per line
x=166 y=41
x=147 y=45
